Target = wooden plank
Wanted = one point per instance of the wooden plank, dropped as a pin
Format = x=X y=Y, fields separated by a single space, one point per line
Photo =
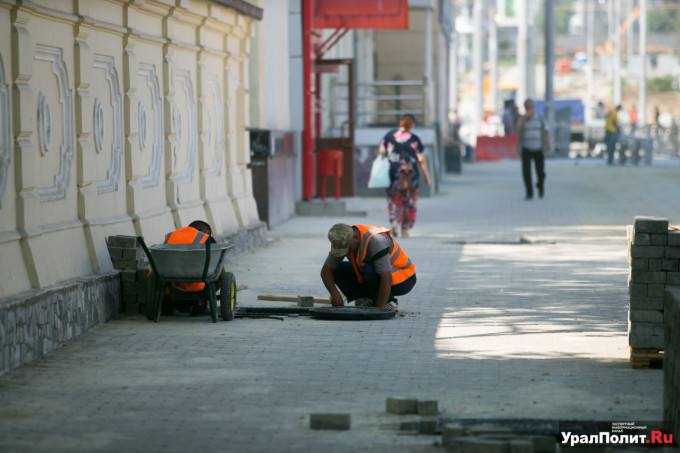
x=642 y=358
x=290 y=299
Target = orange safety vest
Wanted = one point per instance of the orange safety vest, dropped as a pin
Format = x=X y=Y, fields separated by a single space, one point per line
x=402 y=267
x=187 y=235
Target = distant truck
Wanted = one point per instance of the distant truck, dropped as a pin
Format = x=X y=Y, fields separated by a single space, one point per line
x=575 y=117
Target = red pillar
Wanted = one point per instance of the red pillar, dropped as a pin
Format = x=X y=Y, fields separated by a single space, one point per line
x=308 y=156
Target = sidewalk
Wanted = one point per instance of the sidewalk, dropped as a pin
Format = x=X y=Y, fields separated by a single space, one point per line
x=493 y=329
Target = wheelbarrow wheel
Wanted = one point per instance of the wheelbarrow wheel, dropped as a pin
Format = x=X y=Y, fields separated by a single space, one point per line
x=153 y=286
x=228 y=296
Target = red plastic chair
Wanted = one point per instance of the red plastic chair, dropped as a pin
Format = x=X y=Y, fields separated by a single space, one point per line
x=330 y=164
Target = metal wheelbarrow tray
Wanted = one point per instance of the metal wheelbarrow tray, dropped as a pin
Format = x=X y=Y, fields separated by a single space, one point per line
x=189 y=263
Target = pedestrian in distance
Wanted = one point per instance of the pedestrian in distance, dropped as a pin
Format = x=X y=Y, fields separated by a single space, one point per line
x=675 y=134
x=533 y=144
x=611 y=134
x=508 y=117
x=489 y=125
x=657 y=116
x=405 y=152
x=376 y=270
x=632 y=117
x=658 y=128
x=458 y=139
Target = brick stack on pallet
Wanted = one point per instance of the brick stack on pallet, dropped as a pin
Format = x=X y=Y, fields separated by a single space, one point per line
x=129 y=257
x=654 y=258
x=671 y=365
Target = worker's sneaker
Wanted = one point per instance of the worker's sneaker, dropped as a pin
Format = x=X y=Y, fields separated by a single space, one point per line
x=364 y=302
x=393 y=305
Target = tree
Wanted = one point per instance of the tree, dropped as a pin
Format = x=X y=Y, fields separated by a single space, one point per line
x=663 y=21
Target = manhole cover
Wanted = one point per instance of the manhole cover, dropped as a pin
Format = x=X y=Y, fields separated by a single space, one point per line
x=352 y=313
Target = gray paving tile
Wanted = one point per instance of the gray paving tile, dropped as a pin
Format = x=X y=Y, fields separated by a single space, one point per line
x=492 y=329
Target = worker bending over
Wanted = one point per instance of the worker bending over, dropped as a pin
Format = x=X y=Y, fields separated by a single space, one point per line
x=376 y=270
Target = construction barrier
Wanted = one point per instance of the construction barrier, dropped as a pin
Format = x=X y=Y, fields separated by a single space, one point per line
x=496 y=148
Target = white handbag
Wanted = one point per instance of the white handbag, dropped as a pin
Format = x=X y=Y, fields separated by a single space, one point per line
x=380 y=173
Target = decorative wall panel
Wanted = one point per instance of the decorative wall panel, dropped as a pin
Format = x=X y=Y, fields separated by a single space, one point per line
x=62 y=177
x=115 y=116
x=185 y=127
x=100 y=127
x=150 y=125
x=214 y=127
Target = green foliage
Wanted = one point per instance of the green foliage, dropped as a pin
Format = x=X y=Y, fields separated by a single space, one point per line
x=663 y=21
x=660 y=84
x=563 y=12
x=658 y=20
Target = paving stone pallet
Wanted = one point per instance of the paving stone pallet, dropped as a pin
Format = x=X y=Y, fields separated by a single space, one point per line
x=654 y=265
x=642 y=359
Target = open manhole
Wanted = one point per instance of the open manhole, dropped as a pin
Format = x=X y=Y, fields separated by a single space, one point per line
x=352 y=313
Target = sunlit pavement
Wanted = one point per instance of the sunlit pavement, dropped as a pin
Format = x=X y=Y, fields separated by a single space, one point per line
x=495 y=328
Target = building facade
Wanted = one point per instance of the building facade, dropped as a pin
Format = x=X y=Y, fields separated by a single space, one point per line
x=117 y=118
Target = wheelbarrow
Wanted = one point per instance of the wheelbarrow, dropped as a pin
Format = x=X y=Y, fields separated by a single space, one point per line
x=188 y=263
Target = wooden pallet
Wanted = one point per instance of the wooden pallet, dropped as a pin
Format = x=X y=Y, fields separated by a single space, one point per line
x=642 y=359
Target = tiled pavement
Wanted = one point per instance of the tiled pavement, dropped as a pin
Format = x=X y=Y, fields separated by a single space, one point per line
x=493 y=329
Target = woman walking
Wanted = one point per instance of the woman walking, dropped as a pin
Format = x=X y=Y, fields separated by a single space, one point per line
x=405 y=152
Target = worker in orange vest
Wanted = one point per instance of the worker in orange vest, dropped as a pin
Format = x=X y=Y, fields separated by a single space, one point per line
x=198 y=232
x=376 y=270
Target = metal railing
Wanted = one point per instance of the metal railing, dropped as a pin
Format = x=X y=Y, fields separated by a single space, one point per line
x=382 y=103
x=666 y=140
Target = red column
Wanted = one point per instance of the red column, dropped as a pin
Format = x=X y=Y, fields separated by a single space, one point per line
x=308 y=157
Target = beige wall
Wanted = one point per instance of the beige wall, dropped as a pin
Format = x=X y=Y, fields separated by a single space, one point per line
x=401 y=53
x=117 y=117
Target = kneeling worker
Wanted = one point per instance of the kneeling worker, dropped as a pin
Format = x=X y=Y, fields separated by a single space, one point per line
x=377 y=268
x=198 y=232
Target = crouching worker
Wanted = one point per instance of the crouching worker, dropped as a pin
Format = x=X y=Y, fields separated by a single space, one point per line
x=376 y=270
x=198 y=232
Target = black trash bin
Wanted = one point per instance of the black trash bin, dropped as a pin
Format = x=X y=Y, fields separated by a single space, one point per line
x=453 y=158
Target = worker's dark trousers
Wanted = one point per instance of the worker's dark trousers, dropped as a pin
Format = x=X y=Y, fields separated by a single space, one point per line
x=346 y=280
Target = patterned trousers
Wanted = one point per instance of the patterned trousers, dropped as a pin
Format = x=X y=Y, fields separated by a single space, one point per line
x=402 y=207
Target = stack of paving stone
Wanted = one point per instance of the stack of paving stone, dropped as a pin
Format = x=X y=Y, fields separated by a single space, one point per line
x=654 y=258
x=493 y=438
x=467 y=437
x=129 y=257
x=671 y=362
x=428 y=423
